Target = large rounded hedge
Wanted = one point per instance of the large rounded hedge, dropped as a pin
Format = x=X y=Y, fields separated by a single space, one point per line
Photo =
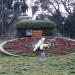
x=46 y=26
x=35 y=24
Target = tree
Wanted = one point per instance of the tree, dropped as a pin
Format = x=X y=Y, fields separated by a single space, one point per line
x=24 y=7
x=8 y=15
x=58 y=19
x=68 y=5
x=70 y=26
x=34 y=9
x=52 y=5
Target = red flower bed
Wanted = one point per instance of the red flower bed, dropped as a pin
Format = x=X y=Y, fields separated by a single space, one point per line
x=60 y=46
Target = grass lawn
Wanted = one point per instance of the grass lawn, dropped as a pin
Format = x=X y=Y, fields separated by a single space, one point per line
x=60 y=65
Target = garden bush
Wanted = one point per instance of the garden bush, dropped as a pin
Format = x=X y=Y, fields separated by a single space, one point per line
x=46 y=26
x=35 y=24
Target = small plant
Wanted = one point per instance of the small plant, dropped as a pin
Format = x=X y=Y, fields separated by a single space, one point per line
x=7 y=46
x=72 y=49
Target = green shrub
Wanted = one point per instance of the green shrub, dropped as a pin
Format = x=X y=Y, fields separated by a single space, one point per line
x=35 y=24
x=46 y=26
x=72 y=49
x=7 y=46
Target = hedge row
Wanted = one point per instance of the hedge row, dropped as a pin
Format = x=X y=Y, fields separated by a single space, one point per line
x=35 y=24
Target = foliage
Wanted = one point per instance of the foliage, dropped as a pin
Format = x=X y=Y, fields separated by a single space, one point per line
x=6 y=11
x=70 y=25
x=54 y=8
x=9 y=13
x=16 y=6
x=7 y=46
x=34 y=9
x=35 y=24
x=48 y=32
x=24 y=7
x=72 y=49
x=53 y=5
x=58 y=19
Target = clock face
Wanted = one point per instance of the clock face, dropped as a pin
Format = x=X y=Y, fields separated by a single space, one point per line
x=51 y=46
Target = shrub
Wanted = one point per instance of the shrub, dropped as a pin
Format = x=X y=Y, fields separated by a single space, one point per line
x=7 y=46
x=46 y=26
x=35 y=24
